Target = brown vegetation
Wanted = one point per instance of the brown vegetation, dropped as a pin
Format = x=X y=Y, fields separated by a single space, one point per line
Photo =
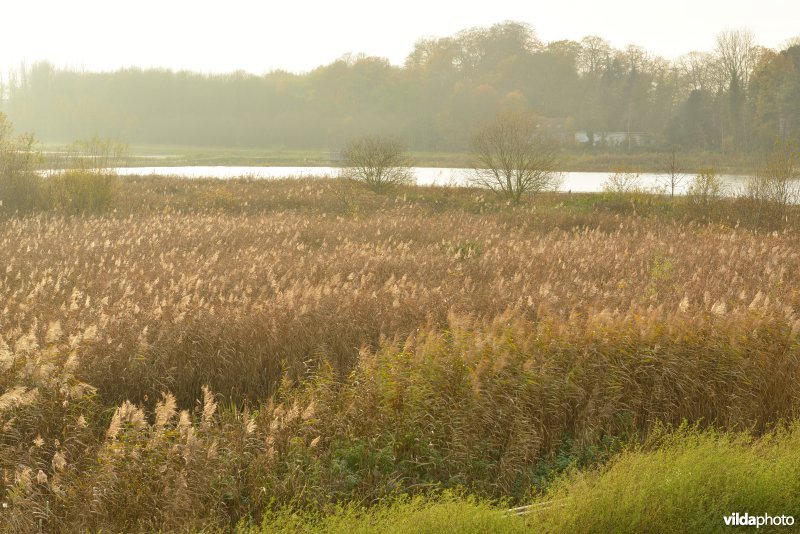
x=252 y=344
x=513 y=158
x=377 y=162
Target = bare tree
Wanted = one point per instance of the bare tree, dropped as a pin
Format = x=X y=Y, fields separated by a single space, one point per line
x=512 y=158
x=673 y=173
x=594 y=55
x=698 y=70
x=376 y=162
x=792 y=41
x=782 y=173
x=737 y=54
x=778 y=182
x=635 y=58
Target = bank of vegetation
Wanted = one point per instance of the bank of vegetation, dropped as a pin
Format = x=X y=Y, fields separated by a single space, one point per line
x=209 y=355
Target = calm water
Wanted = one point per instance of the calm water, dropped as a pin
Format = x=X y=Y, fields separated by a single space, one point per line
x=587 y=182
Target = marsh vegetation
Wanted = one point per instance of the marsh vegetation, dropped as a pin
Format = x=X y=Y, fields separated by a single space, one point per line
x=208 y=353
x=359 y=353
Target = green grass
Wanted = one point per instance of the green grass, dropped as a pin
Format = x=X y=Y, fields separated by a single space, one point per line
x=445 y=514
x=686 y=485
x=687 y=482
x=654 y=161
x=576 y=160
x=180 y=155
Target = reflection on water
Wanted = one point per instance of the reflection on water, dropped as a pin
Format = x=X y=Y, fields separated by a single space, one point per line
x=581 y=182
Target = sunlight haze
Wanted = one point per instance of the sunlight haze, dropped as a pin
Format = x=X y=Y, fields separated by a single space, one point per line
x=263 y=36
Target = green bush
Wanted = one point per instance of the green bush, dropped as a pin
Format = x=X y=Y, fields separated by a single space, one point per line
x=705 y=187
x=80 y=192
x=19 y=181
x=90 y=184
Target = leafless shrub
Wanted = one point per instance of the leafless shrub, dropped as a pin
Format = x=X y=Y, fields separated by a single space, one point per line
x=673 y=175
x=623 y=183
x=512 y=158
x=777 y=185
x=705 y=187
x=376 y=162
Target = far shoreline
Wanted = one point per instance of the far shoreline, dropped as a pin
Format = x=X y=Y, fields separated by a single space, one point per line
x=641 y=161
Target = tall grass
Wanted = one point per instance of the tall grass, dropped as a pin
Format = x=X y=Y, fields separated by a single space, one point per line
x=233 y=301
x=687 y=484
x=195 y=366
x=442 y=514
x=497 y=408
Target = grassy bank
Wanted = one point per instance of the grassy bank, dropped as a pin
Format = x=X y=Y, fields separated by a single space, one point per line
x=571 y=160
x=686 y=483
x=210 y=353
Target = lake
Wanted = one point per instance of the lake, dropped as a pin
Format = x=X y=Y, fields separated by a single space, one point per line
x=582 y=182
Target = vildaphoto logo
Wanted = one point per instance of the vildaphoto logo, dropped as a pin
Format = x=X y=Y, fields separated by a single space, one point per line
x=747 y=520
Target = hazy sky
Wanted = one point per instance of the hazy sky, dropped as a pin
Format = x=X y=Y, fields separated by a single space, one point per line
x=259 y=36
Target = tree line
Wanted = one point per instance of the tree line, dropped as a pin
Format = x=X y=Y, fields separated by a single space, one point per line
x=738 y=97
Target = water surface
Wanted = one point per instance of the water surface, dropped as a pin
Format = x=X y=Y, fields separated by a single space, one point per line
x=582 y=182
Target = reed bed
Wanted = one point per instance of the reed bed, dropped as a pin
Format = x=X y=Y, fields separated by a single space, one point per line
x=191 y=364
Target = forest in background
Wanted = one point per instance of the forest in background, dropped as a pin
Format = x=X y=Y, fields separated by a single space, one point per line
x=738 y=98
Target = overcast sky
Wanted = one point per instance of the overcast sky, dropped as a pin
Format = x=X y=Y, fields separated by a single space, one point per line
x=259 y=36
